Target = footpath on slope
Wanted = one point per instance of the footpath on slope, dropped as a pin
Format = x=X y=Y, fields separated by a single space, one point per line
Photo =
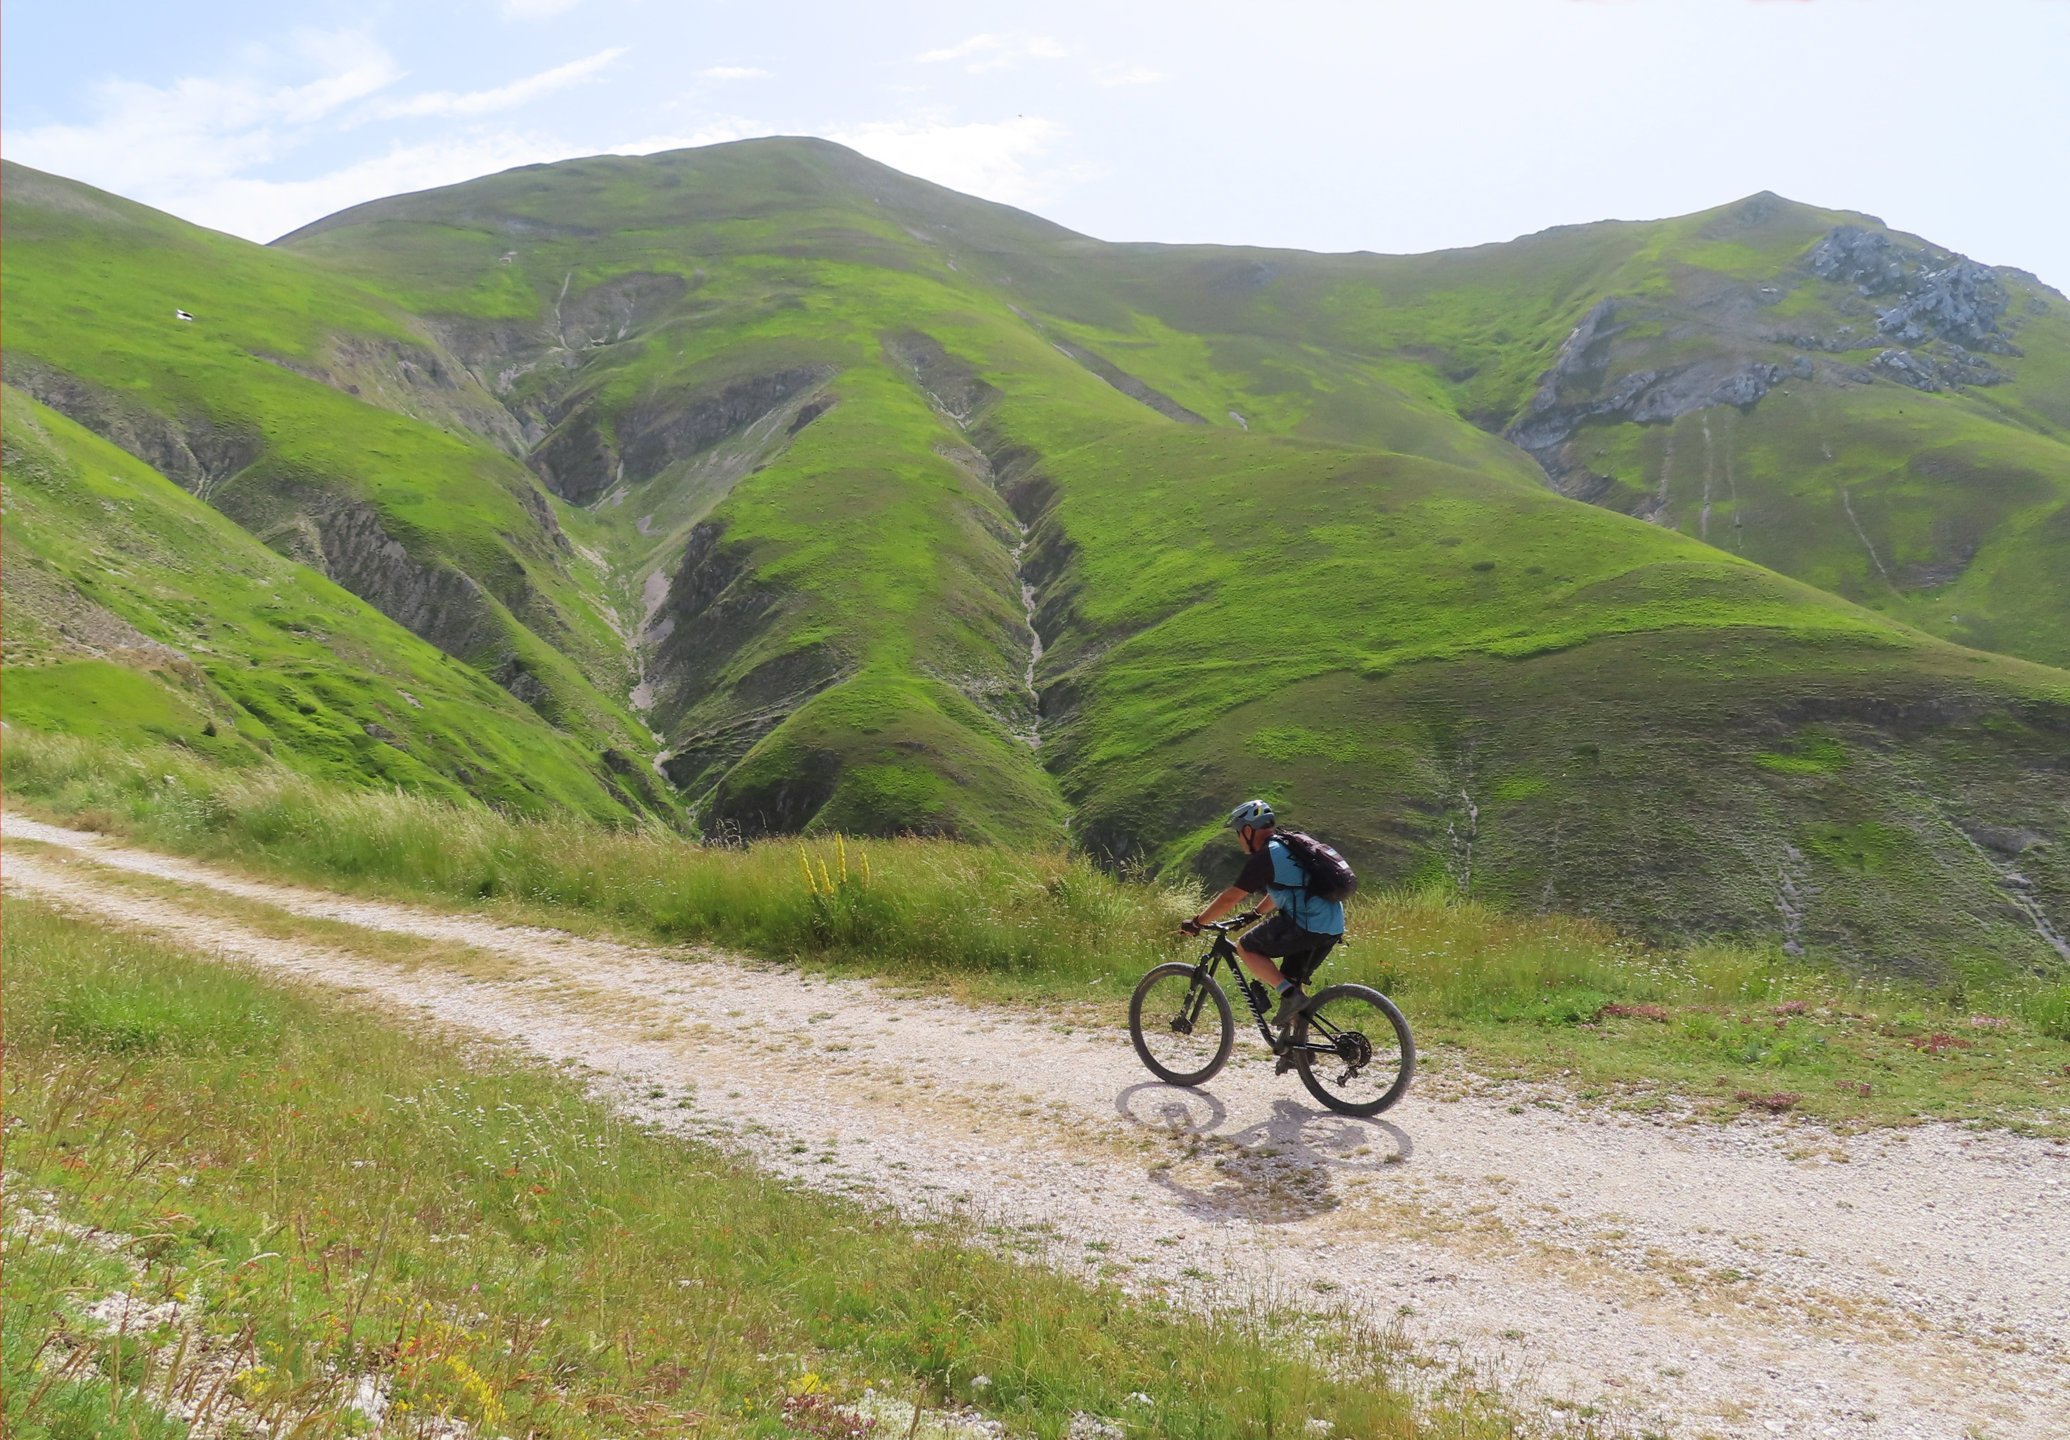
x=1750 y=1279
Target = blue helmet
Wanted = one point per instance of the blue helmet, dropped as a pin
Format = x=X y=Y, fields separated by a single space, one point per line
x=1254 y=813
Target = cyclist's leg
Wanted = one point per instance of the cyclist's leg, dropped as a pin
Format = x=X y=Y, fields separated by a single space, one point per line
x=1302 y=966
x=1263 y=948
x=1273 y=951
x=1262 y=967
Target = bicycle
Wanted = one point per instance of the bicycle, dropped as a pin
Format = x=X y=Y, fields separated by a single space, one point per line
x=1351 y=1046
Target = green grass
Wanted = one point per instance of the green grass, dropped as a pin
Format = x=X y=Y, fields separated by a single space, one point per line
x=331 y=1201
x=1530 y=996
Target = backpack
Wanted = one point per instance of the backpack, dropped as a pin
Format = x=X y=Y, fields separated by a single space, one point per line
x=1329 y=874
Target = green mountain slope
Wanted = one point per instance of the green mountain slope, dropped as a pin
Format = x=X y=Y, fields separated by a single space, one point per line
x=1848 y=405
x=135 y=614
x=321 y=420
x=823 y=439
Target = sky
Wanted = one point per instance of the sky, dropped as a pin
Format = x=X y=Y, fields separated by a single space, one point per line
x=1317 y=124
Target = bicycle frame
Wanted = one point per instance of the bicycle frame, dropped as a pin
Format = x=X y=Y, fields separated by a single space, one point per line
x=1223 y=952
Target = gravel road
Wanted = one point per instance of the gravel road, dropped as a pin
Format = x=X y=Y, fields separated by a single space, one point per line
x=1753 y=1279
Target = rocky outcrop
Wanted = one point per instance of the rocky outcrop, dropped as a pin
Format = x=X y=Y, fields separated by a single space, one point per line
x=1951 y=367
x=951 y=385
x=580 y=461
x=711 y=691
x=436 y=602
x=192 y=451
x=577 y=461
x=1578 y=388
x=414 y=380
x=1129 y=385
x=1931 y=316
x=615 y=309
x=541 y=511
x=1933 y=295
x=344 y=538
x=675 y=425
x=519 y=679
x=500 y=354
x=533 y=368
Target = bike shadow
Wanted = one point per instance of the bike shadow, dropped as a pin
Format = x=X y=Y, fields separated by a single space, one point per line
x=1285 y=1167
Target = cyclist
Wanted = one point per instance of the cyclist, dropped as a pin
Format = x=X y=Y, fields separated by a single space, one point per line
x=1302 y=932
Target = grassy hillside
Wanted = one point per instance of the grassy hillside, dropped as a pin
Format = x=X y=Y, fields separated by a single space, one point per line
x=1873 y=415
x=822 y=439
x=135 y=615
x=321 y=420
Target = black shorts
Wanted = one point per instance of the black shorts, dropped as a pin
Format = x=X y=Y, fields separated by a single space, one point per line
x=1279 y=938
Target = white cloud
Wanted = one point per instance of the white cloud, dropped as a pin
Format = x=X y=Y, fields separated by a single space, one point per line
x=198 y=146
x=995 y=52
x=734 y=72
x=149 y=137
x=987 y=159
x=1136 y=76
x=267 y=209
x=504 y=97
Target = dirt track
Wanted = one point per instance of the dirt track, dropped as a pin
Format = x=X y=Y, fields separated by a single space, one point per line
x=1755 y=1279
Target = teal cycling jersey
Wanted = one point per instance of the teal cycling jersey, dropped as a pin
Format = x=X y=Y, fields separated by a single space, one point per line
x=1277 y=873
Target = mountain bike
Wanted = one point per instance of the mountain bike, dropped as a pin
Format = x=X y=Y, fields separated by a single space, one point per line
x=1351 y=1047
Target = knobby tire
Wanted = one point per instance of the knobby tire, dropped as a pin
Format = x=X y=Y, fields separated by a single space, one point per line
x=1164 y=989
x=1307 y=1063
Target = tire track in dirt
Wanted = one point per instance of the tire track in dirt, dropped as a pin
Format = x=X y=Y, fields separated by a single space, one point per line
x=1751 y=1279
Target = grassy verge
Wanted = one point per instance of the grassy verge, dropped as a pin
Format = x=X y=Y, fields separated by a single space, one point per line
x=311 y=1219
x=1735 y=1029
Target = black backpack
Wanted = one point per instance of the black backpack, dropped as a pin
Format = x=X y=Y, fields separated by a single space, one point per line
x=1329 y=874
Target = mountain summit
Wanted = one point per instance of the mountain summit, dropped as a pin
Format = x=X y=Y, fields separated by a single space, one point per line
x=1705 y=574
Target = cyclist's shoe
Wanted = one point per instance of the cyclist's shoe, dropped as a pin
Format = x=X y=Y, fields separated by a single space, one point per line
x=1261 y=997
x=1286 y=1063
x=1291 y=1004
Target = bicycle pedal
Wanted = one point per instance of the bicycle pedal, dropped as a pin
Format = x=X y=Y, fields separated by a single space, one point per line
x=1286 y=1063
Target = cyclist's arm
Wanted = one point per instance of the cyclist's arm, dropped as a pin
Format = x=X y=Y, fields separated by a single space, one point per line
x=1228 y=900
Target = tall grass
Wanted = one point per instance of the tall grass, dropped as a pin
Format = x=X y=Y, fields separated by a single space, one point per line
x=338 y=1212
x=1006 y=923
x=929 y=906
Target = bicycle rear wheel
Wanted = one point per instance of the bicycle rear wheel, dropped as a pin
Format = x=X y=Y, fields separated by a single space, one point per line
x=1181 y=1024
x=1362 y=1056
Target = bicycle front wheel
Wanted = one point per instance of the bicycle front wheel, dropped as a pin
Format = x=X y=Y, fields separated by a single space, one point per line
x=1353 y=1050
x=1181 y=1024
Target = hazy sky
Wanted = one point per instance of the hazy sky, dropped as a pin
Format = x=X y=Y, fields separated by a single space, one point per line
x=1324 y=124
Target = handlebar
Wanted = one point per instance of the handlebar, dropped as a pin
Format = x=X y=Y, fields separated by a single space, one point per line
x=1222 y=927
